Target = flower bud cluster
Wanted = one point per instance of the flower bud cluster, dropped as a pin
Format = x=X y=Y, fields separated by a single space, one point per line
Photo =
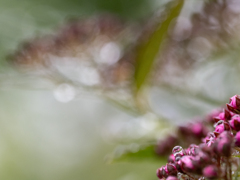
x=211 y=159
x=192 y=133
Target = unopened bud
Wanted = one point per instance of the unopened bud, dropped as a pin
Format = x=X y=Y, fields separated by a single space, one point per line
x=210 y=172
x=171 y=170
x=237 y=139
x=172 y=178
x=234 y=104
x=225 y=115
x=223 y=144
x=186 y=164
x=171 y=158
x=160 y=173
x=235 y=122
x=222 y=126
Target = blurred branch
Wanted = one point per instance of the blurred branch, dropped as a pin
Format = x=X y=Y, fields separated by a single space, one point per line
x=188 y=92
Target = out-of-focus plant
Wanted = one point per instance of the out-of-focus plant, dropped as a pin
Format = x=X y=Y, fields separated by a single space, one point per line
x=123 y=62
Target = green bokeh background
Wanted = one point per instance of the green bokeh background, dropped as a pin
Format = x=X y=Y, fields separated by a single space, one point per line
x=24 y=19
x=43 y=139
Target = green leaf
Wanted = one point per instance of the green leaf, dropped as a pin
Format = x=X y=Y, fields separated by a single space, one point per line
x=134 y=152
x=237 y=156
x=150 y=49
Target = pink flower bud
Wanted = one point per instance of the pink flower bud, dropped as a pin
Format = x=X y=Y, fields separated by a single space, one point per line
x=225 y=115
x=234 y=104
x=198 y=129
x=222 y=126
x=226 y=135
x=210 y=172
x=161 y=172
x=186 y=163
x=221 y=116
x=237 y=139
x=219 y=128
x=235 y=122
x=223 y=144
x=171 y=170
x=171 y=158
x=172 y=178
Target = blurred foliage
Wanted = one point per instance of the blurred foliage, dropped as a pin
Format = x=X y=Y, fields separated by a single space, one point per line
x=149 y=50
x=39 y=142
x=21 y=20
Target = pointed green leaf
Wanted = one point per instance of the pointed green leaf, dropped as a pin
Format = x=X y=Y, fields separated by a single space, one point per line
x=150 y=49
x=135 y=153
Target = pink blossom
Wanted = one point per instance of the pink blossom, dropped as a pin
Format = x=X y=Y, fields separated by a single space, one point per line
x=172 y=178
x=233 y=101
x=237 y=139
x=234 y=104
x=210 y=171
x=235 y=122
